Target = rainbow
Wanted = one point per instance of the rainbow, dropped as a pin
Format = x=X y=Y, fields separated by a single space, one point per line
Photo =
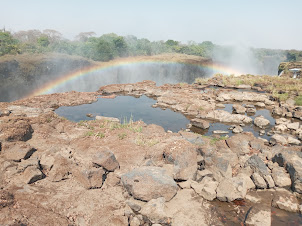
x=102 y=67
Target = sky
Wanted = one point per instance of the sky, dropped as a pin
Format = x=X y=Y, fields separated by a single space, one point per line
x=255 y=23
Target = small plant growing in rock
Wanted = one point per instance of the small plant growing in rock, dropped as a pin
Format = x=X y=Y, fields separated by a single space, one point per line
x=89 y=134
x=122 y=136
x=100 y=135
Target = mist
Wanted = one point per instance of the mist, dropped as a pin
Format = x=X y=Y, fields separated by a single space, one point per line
x=161 y=73
x=243 y=59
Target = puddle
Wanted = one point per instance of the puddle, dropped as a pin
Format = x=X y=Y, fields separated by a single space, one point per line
x=126 y=107
x=248 y=127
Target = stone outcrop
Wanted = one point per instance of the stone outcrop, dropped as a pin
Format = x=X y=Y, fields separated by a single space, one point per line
x=146 y=183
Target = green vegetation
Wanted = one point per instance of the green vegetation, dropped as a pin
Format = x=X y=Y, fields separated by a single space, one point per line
x=298 y=100
x=142 y=141
x=94 y=134
x=110 y=46
x=213 y=140
x=122 y=136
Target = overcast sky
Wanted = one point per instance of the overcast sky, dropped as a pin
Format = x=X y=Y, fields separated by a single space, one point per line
x=256 y=23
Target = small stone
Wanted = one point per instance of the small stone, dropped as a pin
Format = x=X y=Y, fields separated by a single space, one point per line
x=135 y=222
x=237 y=129
x=260 y=104
x=220 y=132
x=135 y=207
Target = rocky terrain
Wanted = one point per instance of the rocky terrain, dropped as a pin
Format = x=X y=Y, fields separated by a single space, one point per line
x=104 y=172
x=285 y=69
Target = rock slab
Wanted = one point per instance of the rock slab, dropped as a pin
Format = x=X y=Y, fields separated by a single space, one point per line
x=148 y=182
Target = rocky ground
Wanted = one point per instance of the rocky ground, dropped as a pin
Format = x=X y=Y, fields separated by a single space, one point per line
x=103 y=172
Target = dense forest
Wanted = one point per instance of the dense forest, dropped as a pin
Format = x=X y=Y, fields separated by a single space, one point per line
x=110 y=46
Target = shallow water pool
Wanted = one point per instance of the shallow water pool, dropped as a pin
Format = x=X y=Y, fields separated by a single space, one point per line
x=126 y=107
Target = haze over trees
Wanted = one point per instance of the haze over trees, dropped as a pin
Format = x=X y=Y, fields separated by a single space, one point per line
x=110 y=46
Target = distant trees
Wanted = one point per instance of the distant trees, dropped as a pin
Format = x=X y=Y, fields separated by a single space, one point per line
x=110 y=46
x=8 y=44
x=84 y=36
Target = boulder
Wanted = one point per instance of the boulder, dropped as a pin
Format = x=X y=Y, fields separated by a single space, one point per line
x=221 y=168
x=292 y=140
x=32 y=174
x=278 y=139
x=260 y=104
x=285 y=200
x=106 y=159
x=90 y=179
x=297 y=114
x=281 y=128
x=60 y=170
x=231 y=189
x=154 y=211
x=282 y=121
x=259 y=215
x=18 y=151
x=258 y=181
x=261 y=122
x=16 y=130
x=257 y=165
x=269 y=181
x=281 y=178
x=200 y=123
x=239 y=143
x=206 y=188
x=193 y=138
x=148 y=182
x=226 y=117
x=250 y=109
x=239 y=109
x=184 y=160
x=293 y=126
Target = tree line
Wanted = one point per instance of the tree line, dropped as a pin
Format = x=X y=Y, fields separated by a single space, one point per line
x=109 y=46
